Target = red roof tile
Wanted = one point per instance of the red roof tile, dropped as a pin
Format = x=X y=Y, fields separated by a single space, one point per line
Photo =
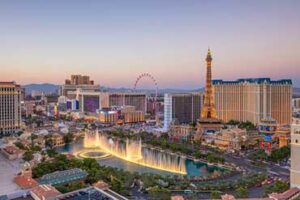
x=25 y=182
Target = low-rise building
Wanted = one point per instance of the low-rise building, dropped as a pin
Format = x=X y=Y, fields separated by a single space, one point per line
x=28 y=107
x=44 y=192
x=63 y=177
x=40 y=141
x=228 y=139
x=125 y=114
x=12 y=152
x=25 y=182
x=101 y=185
x=133 y=116
x=91 y=193
x=57 y=139
x=181 y=132
x=108 y=116
x=295 y=152
x=177 y=197
x=290 y=194
x=274 y=135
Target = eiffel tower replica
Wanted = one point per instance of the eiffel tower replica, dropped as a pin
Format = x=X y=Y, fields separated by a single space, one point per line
x=208 y=122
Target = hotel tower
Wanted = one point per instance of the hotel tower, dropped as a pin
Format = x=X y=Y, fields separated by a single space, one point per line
x=295 y=152
x=10 y=108
x=253 y=100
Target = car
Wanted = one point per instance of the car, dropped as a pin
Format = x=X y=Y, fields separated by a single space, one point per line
x=188 y=191
x=82 y=193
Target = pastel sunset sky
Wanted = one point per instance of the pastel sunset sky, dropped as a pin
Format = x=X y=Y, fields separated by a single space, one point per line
x=114 y=41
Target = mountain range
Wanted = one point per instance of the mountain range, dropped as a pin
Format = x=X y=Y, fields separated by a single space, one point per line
x=48 y=88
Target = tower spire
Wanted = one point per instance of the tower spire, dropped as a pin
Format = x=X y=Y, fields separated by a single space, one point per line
x=208 y=57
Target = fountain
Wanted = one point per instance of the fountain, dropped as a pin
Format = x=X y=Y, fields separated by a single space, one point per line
x=132 y=151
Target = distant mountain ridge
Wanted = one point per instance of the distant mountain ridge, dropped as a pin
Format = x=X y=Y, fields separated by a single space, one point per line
x=161 y=91
x=48 y=88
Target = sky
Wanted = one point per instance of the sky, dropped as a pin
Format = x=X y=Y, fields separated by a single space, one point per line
x=115 y=41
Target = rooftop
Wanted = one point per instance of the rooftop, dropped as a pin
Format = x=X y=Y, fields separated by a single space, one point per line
x=63 y=177
x=25 y=182
x=255 y=81
x=3 y=197
x=9 y=83
x=91 y=193
x=12 y=150
x=45 y=191
x=289 y=194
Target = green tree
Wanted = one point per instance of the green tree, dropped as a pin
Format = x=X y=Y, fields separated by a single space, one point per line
x=258 y=155
x=215 y=194
x=68 y=138
x=242 y=192
x=233 y=122
x=32 y=138
x=247 y=125
x=280 y=154
x=51 y=152
x=49 y=142
x=20 y=146
x=28 y=156
x=159 y=194
x=278 y=186
x=35 y=148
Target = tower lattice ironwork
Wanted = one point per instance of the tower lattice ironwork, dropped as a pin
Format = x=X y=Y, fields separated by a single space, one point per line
x=209 y=110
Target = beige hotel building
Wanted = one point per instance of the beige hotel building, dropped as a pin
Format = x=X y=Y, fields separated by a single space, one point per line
x=295 y=152
x=253 y=99
x=10 y=108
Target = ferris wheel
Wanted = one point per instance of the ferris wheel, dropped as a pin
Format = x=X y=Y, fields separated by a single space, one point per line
x=149 y=76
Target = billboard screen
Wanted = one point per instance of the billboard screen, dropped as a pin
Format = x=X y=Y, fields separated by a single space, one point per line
x=69 y=105
x=91 y=103
x=268 y=138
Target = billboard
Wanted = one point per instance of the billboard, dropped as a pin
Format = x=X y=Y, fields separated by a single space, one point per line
x=268 y=138
x=69 y=105
x=91 y=103
x=267 y=128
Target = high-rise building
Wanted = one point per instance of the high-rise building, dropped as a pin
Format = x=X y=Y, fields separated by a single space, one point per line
x=90 y=101
x=295 y=152
x=296 y=104
x=78 y=82
x=184 y=107
x=138 y=100
x=253 y=100
x=10 y=108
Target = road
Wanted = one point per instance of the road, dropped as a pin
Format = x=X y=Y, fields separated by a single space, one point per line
x=8 y=171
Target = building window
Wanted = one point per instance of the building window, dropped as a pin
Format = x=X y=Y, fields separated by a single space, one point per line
x=296 y=141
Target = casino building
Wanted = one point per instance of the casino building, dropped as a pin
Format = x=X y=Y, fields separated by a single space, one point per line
x=295 y=152
x=10 y=108
x=253 y=100
x=183 y=107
